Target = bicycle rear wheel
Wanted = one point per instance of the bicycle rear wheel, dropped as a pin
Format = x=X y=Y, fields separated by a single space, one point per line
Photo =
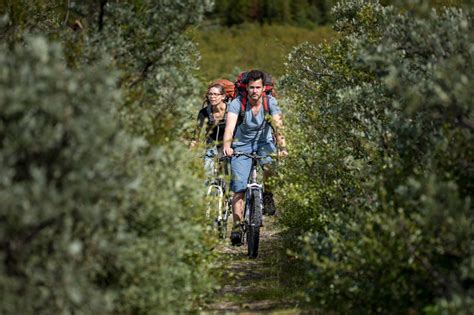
x=255 y=221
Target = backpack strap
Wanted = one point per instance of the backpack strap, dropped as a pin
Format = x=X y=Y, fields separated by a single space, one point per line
x=243 y=107
x=266 y=111
x=266 y=106
x=210 y=117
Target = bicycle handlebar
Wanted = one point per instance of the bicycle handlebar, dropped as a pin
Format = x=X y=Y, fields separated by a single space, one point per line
x=249 y=155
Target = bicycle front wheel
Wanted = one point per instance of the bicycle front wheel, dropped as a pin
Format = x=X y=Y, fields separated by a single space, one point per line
x=255 y=221
x=215 y=206
x=227 y=210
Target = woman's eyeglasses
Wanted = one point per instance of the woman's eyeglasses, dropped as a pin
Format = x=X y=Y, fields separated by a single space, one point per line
x=214 y=94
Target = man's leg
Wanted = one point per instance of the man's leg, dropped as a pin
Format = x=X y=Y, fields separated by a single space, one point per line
x=238 y=206
x=240 y=172
x=237 y=214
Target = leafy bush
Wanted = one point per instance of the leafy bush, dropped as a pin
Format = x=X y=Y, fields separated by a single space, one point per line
x=163 y=263
x=55 y=141
x=378 y=186
x=147 y=41
x=101 y=204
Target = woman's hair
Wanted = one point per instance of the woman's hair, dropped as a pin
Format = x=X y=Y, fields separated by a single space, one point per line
x=215 y=85
x=218 y=86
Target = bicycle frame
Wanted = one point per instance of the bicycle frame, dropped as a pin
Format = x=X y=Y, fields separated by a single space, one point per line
x=252 y=217
x=216 y=189
x=252 y=186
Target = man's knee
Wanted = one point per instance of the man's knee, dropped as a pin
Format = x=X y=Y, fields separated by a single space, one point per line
x=237 y=185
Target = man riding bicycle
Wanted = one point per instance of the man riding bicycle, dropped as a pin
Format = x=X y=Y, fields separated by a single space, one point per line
x=254 y=133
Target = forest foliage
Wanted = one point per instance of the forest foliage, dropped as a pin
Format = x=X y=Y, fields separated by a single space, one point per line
x=303 y=13
x=377 y=190
x=225 y=51
x=229 y=31
x=100 y=204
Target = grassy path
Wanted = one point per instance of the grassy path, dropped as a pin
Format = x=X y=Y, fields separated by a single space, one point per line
x=250 y=286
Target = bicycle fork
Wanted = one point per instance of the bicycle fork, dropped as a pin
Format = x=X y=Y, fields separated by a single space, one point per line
x=252 y=188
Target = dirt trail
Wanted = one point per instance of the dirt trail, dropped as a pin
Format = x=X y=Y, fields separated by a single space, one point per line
x=253 y=286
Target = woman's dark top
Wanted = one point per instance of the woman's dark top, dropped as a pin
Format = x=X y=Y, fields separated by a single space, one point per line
x=214 y=130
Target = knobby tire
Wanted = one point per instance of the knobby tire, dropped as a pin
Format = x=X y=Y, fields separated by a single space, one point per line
x=255 y=221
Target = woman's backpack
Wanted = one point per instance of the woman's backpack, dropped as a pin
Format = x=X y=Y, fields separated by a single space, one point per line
x=229 y=87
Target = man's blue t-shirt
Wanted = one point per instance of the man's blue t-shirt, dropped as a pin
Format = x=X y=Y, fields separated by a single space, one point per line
x=253 y=129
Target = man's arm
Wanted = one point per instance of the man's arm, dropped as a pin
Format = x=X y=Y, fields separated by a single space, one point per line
x=277 y=121
x=229 y=132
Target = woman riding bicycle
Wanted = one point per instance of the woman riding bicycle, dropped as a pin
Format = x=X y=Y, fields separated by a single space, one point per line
x=211 y=120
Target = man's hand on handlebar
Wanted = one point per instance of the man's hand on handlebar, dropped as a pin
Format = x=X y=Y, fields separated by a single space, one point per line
x=228 y=151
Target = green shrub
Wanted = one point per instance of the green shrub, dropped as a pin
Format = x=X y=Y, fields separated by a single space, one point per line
x=378 y=185
x=55 y=141
x=147 y=41
x=101 y=203
x=163 y=263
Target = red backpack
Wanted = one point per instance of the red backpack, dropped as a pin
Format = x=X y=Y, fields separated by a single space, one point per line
x=241 y=91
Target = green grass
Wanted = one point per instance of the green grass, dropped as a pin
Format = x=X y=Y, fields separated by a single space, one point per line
x=266 y=283
x=226 y=51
